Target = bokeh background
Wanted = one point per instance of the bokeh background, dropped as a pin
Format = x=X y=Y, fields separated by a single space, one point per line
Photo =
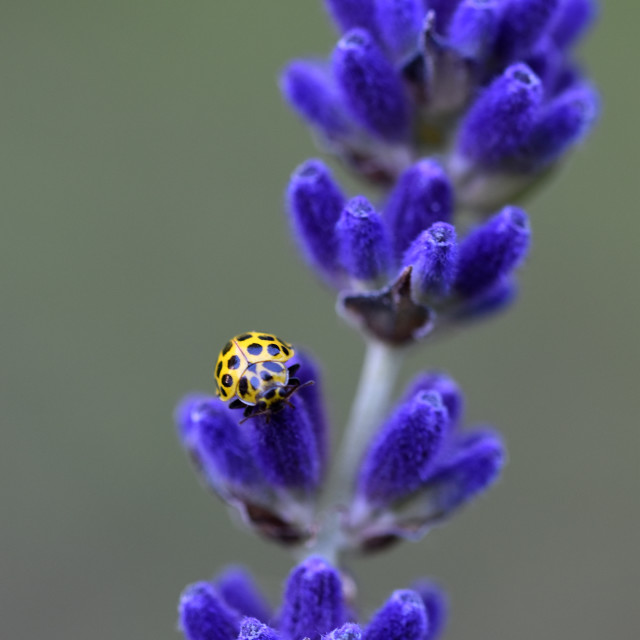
x=144 y=151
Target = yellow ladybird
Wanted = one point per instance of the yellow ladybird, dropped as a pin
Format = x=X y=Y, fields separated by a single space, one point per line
x=251 y=367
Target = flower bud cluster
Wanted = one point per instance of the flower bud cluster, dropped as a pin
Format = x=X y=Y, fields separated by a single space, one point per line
x=316 y=605
x=404 y=271
x=488 y=85
x=418 y=470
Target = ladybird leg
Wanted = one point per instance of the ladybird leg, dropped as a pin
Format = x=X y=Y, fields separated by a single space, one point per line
x=237 y=404
x=293 y=368
x=294 y=382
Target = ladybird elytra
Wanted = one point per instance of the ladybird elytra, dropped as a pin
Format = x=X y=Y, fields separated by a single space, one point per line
x=251 y=368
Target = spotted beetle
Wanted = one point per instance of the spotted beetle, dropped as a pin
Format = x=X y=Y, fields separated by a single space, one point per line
x=251 y=367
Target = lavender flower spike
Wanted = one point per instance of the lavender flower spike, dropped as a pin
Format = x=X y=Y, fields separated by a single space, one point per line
x=313 y=603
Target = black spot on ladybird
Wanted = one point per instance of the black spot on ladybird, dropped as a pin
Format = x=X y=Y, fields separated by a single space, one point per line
x=285 y=350
x=266 y=376
x=255 y=382
x=243 y=386
x=274 y=367
x=270 y=394
x=282 y=392
x=223 y=393
x=234 y=362
x=226 y=348
x=227 y=380
x=243 y=337
x=254 y=349
x=273 y=349
x=262 y=405
x=265 y=337
x=219 y=369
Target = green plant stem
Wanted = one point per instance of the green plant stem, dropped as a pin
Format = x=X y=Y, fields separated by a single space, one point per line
x=380 y=370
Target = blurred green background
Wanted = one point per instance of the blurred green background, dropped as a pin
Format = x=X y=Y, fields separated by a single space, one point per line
x=144 y=154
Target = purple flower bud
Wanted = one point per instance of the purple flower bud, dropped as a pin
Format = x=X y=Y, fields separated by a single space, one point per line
x=239 y=591
x=315 y=203
x=496 y=298
x=473 y=28
x=203 y=615
x=219 y=445
x=363 y=245
x=499 y=123
x=522 y=23
x=403 y=453
x=403 y=617
x=253 y=629
x=313 y=603
x=349 y=14
x=423 y=195
x=447 y=387
x=349 y=631
x=314 y=401
x=309 y=89
x=474 y=467
x=435 y=604
x=433 y=256
x=370 y=86
x=563 y=123
x=547 y=62
x=183 y=417
x=571 y=21
x=285 y=448
x=492 y=251
x=443 y=10
x=400 y=23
